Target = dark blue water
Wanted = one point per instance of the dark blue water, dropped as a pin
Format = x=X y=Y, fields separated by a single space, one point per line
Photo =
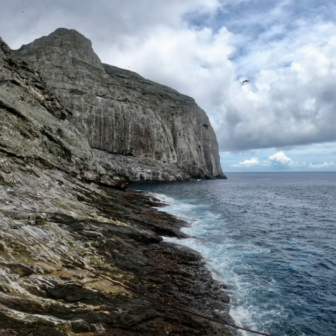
x=271 y=237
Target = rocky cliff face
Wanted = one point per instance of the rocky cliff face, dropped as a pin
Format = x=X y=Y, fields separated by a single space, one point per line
x=45 y=167
x=33 y=124
x=165 y=135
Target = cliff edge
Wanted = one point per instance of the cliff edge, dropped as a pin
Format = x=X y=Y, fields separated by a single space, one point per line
x=138 y=129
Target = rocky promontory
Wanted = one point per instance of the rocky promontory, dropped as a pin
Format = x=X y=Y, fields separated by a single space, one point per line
x=163 y=133
x=58 y=173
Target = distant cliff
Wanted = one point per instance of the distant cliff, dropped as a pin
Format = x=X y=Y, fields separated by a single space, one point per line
x=138 y=129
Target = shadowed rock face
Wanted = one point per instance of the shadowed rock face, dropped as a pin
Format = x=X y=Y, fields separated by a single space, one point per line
x=124 y=114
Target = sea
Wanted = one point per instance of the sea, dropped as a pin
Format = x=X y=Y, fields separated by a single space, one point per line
x=271 y=238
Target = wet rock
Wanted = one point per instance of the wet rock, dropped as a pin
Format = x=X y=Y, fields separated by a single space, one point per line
x=81 y=326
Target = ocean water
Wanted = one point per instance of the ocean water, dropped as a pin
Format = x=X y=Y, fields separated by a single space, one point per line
x=271 y=237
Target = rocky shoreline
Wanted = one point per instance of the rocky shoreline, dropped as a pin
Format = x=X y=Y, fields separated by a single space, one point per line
x=118 y=233
x=56 y=187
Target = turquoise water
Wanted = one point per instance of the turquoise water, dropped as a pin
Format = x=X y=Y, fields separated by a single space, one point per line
x=271 y=237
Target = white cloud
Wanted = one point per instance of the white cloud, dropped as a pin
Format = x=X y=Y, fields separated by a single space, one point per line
x=322 y=165
x=277 y=159
x=280 y=158
x=285 y=106
x=247 y=163
x=106 y=22
x=280 y=161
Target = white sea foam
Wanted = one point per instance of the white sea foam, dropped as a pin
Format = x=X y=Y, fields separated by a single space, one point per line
x=221 y=258
x=173 y=206
x=271 y=239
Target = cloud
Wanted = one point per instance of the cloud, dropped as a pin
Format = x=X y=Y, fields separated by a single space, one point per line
x=280 y=158
x=247 y=163
x=322 y=165
x=285 y=105
x=205 y=49
x=280 y=161
x=106 y=22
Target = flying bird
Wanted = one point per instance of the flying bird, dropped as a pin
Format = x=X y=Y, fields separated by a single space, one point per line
x=245 y=81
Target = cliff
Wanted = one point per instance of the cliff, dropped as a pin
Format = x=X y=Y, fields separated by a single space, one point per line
x=51 y=188
x=163 y=133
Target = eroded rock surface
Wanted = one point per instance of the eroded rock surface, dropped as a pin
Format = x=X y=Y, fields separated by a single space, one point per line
x=116 y=233
x=122 y=113
x=52 y=187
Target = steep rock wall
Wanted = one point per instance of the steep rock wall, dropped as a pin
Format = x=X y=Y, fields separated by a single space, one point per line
x=35 y=127
x=49 y=213
x=124 y=114
x=33 y=124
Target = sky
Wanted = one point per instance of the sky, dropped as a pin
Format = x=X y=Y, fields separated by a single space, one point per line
x=283 y=119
